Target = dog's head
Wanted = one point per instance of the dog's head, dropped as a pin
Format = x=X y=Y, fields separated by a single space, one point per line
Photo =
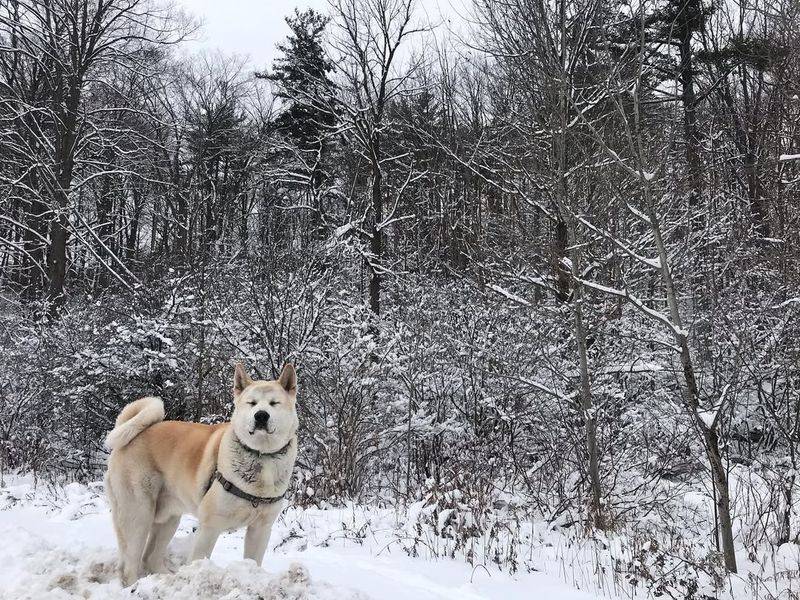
x=264 y=414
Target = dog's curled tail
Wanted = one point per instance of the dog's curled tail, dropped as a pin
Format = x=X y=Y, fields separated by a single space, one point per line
x=133 y=420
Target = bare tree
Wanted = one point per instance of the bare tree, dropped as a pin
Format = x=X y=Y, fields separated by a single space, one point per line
x=52 y=54
x=643 y=163
x=547 y=50
x=369 y=40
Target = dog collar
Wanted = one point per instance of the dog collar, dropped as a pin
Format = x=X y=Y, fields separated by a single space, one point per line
x=260 y=454
x=239 y=493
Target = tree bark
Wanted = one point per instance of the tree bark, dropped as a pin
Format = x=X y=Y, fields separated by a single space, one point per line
x=689 y=100
x=59 y=226
x=691 y=396
x=587 y=401
x=759 y=204
x=559 y=251
x=376 y=235
x=566 y=240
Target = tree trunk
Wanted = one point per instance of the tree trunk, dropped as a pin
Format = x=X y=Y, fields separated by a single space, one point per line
x=57 y=259
x=105 y=229
x=758 y=202
x=691 y=394
x=376 y=237
x=720 y=476
x=64 y=163
x=566 y=238
x=786 y=516
x=132 y=241
x=587 y=402
x=689 y=101
x=559 y=251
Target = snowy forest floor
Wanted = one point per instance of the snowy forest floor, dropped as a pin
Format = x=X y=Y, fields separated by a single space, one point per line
x=58 y=542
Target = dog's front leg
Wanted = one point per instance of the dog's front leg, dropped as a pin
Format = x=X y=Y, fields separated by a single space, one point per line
x=256 y=540
x=204 y=542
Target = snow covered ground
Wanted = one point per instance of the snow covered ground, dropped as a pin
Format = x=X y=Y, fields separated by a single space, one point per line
x=59 y=543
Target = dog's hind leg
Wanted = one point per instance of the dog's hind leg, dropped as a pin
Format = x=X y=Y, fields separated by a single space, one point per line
x=156 y=549
x=116 y=519
x=133 y=521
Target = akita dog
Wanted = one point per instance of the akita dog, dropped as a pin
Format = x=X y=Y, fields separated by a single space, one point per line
x=229 y=475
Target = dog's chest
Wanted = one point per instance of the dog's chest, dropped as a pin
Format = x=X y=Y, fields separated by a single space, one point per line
x=270 y=474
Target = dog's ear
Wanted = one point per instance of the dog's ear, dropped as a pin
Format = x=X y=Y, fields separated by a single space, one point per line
x=288 y=378
x=240 y=379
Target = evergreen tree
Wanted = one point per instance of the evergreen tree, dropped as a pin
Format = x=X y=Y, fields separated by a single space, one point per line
x=302 y=81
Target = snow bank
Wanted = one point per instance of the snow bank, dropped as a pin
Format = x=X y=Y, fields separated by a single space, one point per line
x=59 y=544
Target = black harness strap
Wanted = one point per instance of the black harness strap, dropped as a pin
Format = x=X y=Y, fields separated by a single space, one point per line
x=232 y=489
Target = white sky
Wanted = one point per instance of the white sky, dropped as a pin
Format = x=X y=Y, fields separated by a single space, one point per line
x=253 y=27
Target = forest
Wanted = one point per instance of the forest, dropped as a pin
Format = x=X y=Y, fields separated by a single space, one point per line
x=544 y=268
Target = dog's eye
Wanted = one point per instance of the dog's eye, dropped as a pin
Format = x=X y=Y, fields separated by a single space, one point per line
x=274 y=403
x=251 y=403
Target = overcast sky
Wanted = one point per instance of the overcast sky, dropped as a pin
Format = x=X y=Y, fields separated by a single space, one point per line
x=254 y=27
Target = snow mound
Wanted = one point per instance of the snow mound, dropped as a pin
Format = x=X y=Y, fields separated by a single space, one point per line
x=70 y=574
x=241 y=580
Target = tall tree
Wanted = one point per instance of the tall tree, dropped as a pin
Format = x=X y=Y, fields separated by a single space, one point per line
x=370 y=35
x=302 y=78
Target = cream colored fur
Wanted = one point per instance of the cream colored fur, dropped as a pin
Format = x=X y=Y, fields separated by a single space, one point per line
x=159 y=470
x=135 y=418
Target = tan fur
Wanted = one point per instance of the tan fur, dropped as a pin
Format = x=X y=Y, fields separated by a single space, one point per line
x=159 y=470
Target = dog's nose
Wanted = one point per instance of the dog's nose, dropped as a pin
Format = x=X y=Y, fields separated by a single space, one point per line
x=261 y=418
